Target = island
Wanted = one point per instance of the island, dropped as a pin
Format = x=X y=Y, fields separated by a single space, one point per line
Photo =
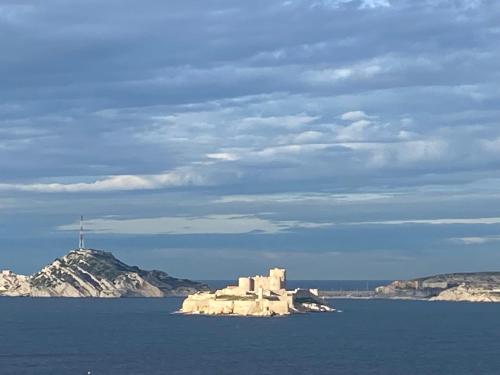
x=94 y=273
x=467 y=287
x=260 y=296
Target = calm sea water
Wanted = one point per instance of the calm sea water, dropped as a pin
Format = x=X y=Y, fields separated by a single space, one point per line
x=141 y=336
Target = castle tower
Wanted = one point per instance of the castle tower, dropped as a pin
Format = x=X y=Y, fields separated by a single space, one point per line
x=277 y=279
x=81 y=242
x=245 y=284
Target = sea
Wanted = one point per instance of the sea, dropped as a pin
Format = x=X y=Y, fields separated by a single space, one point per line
x=138 y=336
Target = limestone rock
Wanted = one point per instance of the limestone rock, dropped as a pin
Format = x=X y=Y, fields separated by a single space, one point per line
x=13 y=285
x=94 y=273
x=473 y=287
x=470 y=294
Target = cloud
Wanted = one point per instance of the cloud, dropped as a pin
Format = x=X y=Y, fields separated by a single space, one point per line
x=396 y=155
x=357 y=131
x=224 y=156
x=460 y=4
x=354 y=116
x=475 y=240
x=113 y=183
x=335 y=4
x=249 y=111
x=491 y=145
x=245 y=224
x=371 y=4
x=255 y=104
x=337 y=75
x=291 y=121
x=306 y=196
x=209 y=224
x=453 y=221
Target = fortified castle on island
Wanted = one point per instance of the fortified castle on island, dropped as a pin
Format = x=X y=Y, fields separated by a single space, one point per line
x=255 y=296
x=275 y=282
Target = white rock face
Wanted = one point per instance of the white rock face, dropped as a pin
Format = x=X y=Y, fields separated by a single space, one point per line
x=133 y=284
x=464 y=293
x=471 y=287
x=13 y=285
x=316 y=307
x=93 y=273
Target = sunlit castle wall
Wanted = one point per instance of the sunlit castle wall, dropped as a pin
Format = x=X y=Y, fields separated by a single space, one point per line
x=277 y=279
x=261 y=282
x=246 y=284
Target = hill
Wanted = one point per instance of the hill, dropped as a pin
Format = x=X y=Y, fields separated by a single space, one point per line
x=95 y=273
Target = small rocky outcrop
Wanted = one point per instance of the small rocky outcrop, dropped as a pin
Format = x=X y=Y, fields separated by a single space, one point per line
x=13 y=285
x=464 y=293
x=94 y=273
x=250 y=304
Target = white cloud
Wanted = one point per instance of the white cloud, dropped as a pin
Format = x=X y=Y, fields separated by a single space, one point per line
x=291 y=121
x=491 y=145
x=111 y=183
x=309 y=136
x=307 y=196
x=383 y=68
x=334 y=4
x=355 y=116
x=291 y=150
x=399 y=154
x=460 y=4
x=237 y=223
x=364 y=128
x=225 y=156
x=371 y=4
x=215 y=224
x=476 y=240
x=334 y=75
x=357 y=131
x=463 y=221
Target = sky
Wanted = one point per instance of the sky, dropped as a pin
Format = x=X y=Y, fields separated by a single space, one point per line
x=341 y=139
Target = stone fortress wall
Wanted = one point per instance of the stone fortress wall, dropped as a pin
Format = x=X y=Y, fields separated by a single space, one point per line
x=275 y=282
x=254 y=296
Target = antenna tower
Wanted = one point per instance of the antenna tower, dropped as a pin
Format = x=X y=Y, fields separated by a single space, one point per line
x=81 y=243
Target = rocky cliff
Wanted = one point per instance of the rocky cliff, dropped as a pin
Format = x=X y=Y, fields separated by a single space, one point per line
x=14 y=285
x=94 y=273
x=472 y=287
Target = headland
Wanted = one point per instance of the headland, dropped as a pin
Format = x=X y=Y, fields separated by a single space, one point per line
x=460 y=287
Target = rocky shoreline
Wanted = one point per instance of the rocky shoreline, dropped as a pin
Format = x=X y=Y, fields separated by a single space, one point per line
x=458 y=287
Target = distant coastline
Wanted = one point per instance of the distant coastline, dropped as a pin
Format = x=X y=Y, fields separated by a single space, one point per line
x=456 y=287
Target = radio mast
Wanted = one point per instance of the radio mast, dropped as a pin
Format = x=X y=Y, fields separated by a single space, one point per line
x=81 y=243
